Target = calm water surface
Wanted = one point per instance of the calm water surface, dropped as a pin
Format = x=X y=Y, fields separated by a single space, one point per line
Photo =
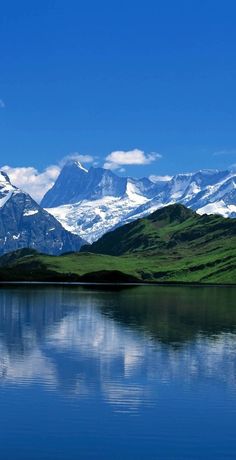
x=133 y=373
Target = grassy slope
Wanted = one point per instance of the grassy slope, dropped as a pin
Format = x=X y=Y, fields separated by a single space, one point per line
x=173 y=244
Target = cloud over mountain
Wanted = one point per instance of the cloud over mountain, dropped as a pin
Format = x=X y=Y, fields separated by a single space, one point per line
x=37 y=183
x=79 y=157
x=31 y=180
x=119 y=158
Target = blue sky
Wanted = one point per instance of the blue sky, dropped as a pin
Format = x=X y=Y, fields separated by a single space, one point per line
x=99 y=76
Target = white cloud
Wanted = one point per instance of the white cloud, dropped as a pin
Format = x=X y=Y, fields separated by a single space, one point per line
x=32 y=181
x=154 y=178
x=112 y=166
x=2 y=104
x=120 y=158
x=77 y=156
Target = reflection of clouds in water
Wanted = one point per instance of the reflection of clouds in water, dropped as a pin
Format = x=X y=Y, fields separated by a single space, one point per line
x=84 y=352
x=92 y=334
x=130 y=366
x=115 y=352
x=126 y=397
x=33 y=366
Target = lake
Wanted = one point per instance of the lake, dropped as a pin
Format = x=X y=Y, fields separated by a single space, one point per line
x=130 y=373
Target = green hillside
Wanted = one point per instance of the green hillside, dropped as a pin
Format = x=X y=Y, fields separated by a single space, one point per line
x=174 y=244
x=168 y=231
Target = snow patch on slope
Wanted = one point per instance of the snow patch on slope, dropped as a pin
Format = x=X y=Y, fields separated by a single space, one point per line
x=30 y=212
x=219 y=207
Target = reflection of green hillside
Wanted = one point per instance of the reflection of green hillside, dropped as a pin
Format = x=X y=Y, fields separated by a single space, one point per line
x=174 y=315
x=174 y=244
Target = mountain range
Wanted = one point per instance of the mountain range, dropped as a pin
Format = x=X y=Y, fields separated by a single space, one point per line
x=83 y=205
x=92 y=202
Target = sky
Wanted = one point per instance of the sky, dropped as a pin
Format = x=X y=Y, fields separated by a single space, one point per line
x=139 y=87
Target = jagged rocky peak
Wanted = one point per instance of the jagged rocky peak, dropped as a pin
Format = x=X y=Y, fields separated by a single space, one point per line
x=24 y=224
x=69 y=184
x=75 y=183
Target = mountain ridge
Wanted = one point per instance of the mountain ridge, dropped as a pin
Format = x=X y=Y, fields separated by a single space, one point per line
x=103 y=200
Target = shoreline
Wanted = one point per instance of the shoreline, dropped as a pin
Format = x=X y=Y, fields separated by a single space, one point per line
x=77 y=283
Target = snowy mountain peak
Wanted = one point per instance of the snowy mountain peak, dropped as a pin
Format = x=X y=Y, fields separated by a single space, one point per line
x=75 y=184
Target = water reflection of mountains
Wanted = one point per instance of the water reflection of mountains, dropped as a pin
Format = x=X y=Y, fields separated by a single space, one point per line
x=82 y=339
x=171 y=315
